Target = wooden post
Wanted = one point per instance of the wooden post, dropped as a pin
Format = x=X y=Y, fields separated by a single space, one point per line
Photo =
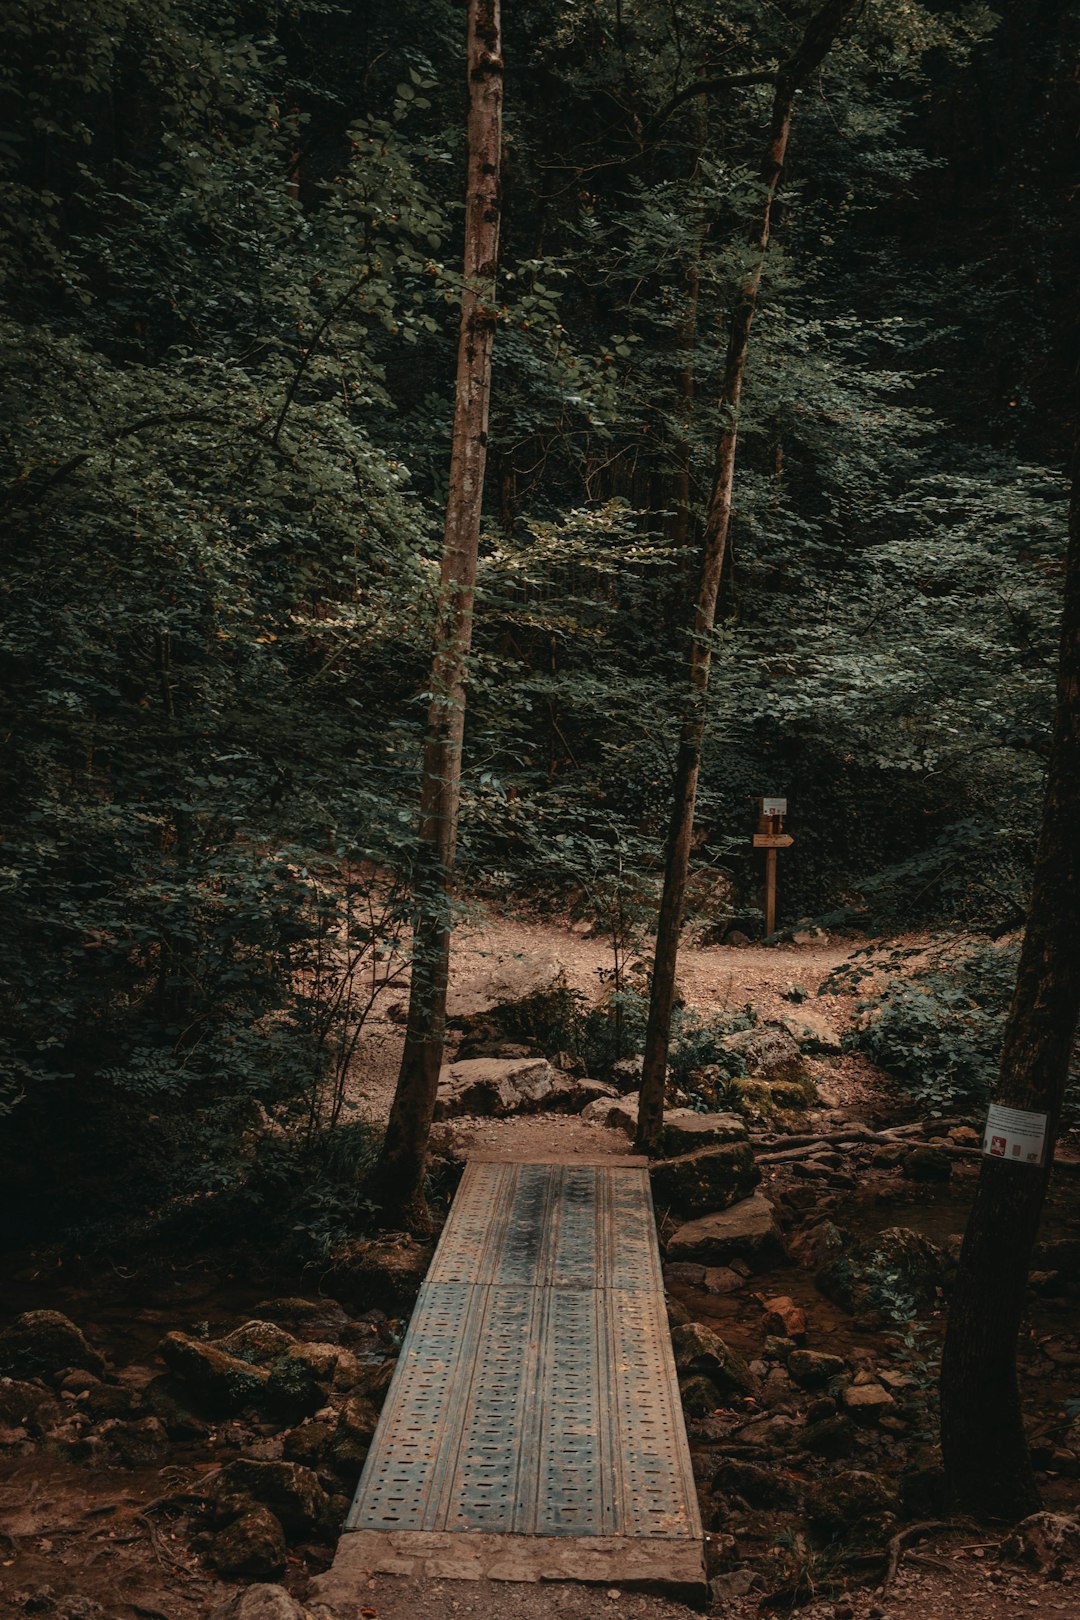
x=770 y=891
x=770 y=837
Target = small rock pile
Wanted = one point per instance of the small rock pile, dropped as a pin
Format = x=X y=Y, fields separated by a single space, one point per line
x=796 y=1446
x=288 y=1400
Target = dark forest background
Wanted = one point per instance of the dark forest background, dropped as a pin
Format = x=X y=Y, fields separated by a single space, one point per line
x=229 y=258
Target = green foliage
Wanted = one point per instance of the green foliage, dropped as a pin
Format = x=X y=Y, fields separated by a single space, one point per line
x=558 y=1019
x=939 y=1030
x=614 y=1028
x=228 y=265
x=295 y=1195
x=209 y=558
x=697 y=1043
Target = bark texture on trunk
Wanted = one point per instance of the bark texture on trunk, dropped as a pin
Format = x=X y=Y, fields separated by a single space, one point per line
x=987 y=1465
x=397 y=1182
x=820 y=35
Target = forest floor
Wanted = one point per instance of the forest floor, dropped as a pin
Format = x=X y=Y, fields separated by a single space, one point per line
x=84 y=1537
x=500 y=959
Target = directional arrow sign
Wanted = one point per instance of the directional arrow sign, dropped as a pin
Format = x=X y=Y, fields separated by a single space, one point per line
x=772 y=840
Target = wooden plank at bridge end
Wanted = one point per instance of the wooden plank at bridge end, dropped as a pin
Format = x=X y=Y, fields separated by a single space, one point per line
x=533 y=1429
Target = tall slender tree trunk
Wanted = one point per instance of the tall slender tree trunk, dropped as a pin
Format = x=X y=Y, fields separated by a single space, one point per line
x=397 y=1182
x=679 y=526
x=985 y=1450
x=820 y=35
x=681 y=521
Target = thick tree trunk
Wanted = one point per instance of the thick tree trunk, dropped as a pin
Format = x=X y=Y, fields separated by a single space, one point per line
x=982 y=1433
x=397 y=1182
x=820 y=34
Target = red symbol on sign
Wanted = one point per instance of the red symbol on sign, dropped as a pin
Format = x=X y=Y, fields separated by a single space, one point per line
x=997 y=1146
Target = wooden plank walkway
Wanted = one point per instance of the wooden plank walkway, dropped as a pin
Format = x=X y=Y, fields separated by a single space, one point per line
x=533 y=1429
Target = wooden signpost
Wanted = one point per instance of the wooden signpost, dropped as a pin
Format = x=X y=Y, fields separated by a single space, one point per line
x=770 y=837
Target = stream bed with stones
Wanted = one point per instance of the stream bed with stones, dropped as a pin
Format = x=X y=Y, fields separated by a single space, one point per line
x=175 y=1436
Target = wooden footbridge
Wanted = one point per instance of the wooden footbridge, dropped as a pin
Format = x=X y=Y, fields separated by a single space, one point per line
x=533 y=1429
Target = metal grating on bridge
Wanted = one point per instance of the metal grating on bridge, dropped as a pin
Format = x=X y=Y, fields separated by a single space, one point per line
x=533 y=1428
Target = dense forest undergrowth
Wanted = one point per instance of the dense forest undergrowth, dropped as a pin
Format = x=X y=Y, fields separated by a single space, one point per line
x=231 y=289
x=230 y=306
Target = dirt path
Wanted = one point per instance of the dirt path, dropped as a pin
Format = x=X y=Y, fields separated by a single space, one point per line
x=934 y=1583
x=499 y=959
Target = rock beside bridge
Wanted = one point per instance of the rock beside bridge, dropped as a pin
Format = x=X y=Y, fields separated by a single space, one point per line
x=746 y=1231
x=43 y=1343
x=707 y=1179
x=684 y=1129
x=495 y=1088
x=492 y=1088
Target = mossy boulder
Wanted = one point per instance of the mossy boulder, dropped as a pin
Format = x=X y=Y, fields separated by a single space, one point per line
x=309 y=1443
x=705 y=1180
x=261 y=1343
x=698 y=1350
x=216 y=1381
x=290 y=1491
x=43 y=1343
x=301 y=1380
x=845 y=1498
x=894 y=1276
x=253 y=1545
x=299 y=1385
x=786 y=1095
x=766 y=1100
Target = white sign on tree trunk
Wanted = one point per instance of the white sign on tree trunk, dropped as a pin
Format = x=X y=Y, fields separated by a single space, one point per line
x=1013 y=1133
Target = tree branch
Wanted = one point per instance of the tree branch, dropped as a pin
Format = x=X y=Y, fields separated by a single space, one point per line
x=26 y=491
x=819 y=37
x=701 y=87
x=320 y=332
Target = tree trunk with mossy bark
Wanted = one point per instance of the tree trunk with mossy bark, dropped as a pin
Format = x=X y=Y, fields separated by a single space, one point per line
x=987 y=1465
x=821 y=33
x=397 y=1181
